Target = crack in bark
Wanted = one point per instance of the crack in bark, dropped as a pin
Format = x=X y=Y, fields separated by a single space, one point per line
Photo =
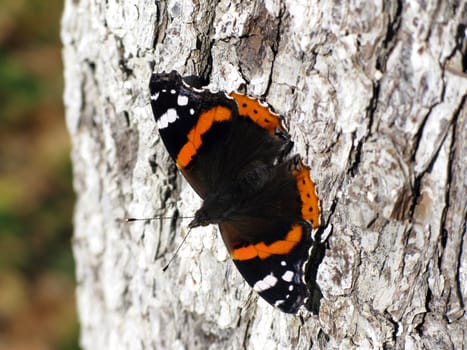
x=452 y=154
x=204 y=44
x=388 y=42
x=391 y=35
x=160 y=28
x=246 y=336
x=275 y=48
x=395 y=325
x=459 y=263
x=418 y=179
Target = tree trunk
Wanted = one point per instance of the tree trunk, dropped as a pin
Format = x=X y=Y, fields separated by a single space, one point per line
x=374 y=96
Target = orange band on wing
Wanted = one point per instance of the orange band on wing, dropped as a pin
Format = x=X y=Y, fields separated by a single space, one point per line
x=205 y=121
x=261 y=115
x=262 y=250
x=307 y=190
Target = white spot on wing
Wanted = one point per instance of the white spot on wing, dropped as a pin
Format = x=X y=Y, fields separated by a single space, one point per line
x=278 y=303
x=287 y=276
x=168 y=117
x=155 y=96
x=291 y=288
x=192 y=111
x=173 y=92
x=283 y=263
x=182 y=100
x=267 y=282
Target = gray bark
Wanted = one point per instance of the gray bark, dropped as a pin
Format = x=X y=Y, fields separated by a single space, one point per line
x=374 y=95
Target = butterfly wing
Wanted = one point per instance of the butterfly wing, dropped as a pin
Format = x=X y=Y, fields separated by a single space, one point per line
x=183 y=116
x=198 y=129
x=269 y=238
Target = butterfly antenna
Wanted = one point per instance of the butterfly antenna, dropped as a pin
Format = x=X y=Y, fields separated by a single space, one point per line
x=176 y=251
x=132 y=219
x=153 y=218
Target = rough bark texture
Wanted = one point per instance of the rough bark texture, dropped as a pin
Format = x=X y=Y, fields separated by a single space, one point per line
x=374 y=95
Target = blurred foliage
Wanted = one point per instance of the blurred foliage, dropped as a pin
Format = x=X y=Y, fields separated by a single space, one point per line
x=37 y=302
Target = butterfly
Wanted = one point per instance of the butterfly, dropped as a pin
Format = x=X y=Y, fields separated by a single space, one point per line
x=234 y=151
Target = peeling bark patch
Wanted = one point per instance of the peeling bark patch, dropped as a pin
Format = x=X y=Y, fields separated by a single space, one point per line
x=256 y=50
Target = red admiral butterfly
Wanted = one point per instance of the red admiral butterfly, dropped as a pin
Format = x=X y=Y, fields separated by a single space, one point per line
x=234 y=152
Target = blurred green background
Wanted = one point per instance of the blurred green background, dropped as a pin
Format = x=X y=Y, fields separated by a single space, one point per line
x=37 y=301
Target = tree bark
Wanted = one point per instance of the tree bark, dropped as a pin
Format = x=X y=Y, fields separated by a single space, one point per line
x=374 y=96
